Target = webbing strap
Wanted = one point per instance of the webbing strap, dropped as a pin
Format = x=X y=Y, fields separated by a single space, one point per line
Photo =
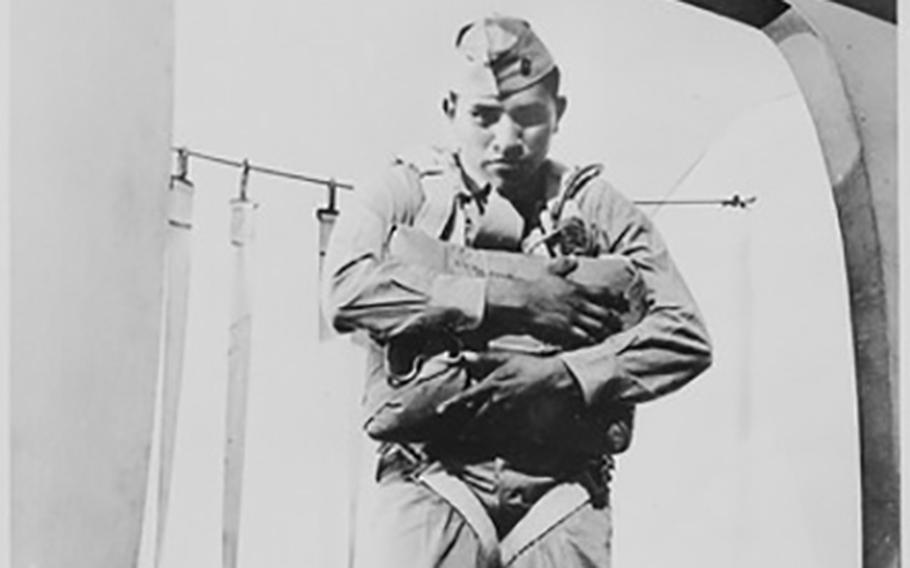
x=572 y=184
x=238 y=379
x=177 y=267
x=439 y=208
x=457 y=493
x=554 y=507
x=557 y=504
x=326 y=218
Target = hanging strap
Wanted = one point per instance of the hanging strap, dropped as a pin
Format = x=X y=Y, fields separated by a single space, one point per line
x=177 y=280
x=326 y=218
x=238 y=378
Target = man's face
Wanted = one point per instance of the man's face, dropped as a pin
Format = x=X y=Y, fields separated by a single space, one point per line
x=504 y=141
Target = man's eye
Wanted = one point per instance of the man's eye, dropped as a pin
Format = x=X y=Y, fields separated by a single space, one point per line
x=485 y=117
x=530 y=115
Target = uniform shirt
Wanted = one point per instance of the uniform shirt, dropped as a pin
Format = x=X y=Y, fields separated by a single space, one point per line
x=385 y=297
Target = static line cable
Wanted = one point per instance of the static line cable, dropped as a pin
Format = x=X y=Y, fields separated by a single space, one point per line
x=736 y=201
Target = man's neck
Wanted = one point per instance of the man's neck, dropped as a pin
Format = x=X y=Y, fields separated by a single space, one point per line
x=523 y=196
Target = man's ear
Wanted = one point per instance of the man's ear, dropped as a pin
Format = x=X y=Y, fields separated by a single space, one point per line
x=448 y=105
x=561 y=104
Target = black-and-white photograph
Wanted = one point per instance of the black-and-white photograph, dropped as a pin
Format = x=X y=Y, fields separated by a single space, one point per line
x=478 y=284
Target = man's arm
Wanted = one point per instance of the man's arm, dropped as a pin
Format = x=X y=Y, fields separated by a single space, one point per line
x=389 y=293
x=666 y=349
x=362 y=289
x=670 y=346
x=564 y=301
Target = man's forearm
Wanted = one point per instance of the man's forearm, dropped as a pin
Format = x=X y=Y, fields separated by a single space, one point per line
x=514 y=280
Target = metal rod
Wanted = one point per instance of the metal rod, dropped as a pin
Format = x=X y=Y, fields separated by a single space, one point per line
x=332 y=185
x=735 y=201
x=244 y=178
x=264 y=169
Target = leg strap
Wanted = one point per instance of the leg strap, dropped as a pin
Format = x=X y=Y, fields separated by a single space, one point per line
x=549 y=511
x=557 y=504
x=457 y=493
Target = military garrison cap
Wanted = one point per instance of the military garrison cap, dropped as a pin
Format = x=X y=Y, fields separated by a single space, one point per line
x=499 y=55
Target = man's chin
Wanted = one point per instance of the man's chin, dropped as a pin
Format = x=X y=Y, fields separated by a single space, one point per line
x=504 y=179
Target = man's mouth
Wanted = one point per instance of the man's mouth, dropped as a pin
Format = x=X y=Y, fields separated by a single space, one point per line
x=503 y=164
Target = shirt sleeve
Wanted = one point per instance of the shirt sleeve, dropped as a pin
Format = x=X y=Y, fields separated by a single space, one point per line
x=363 y=289
x=670 y=345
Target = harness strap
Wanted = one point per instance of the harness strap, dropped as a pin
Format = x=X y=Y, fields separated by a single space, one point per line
x=440 y=186
x=572 y=184
x=439 y=207
x=554 y=507
x=457 y=493
x=436 y=217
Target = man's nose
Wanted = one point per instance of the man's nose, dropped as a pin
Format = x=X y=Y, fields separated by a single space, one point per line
x=507 y=140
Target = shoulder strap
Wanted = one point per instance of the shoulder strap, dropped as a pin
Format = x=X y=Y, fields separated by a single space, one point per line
x=572 y=184
x=438 y=185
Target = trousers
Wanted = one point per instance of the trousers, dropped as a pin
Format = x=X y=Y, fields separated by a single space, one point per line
x=410 y=526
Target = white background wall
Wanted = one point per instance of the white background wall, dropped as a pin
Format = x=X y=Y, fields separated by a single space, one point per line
x=903 y=160
x=91 y=130
x=4 y=283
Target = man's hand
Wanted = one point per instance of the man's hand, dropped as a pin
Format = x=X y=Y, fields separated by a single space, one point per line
x=537 y=395
x=553 y=308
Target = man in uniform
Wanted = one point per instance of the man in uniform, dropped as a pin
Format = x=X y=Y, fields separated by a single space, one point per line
x=501 y=380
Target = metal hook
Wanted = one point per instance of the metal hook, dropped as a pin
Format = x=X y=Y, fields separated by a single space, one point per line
x=333 y=195
x=738 y=201
x=244 y=179
x=331 y=207
x=330 y=211
x=183 y=159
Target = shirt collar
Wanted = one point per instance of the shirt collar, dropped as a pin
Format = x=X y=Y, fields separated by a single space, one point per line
x=470 y=189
